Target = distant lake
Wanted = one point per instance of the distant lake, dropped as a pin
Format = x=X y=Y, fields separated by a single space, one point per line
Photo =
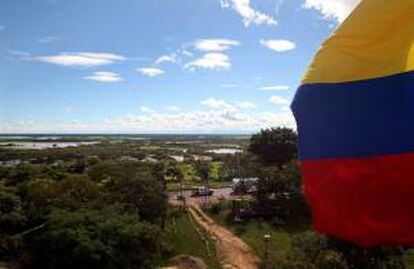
x=225 y=151
x=45 y=145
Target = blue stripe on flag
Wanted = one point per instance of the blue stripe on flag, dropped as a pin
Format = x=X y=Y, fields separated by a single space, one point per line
x=356 y=119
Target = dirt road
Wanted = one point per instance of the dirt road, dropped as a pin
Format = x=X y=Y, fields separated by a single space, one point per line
x=232 y=252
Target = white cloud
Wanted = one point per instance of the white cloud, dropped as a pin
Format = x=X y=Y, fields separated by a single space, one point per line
x=285 y=108
x=212 y=121
x=170 y=58
x=70 y=109
x=332 y=9
x=187 y=53
x=173 y=108
x=216 y=103
x=150 y=71
x=19 y=53
x=104 y=76
x=48 y=39
x=278 y=100
x=80 y=59
x=246 y=104
x=146 y=110
x=249 y=15
x=215 y=44
x=220 y=116
x=278 y=45
x=229 y=85
x=229 y=106
x=275 y=88
x=210 y=61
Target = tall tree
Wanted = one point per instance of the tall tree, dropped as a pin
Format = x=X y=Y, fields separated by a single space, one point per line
x=87 y=238
x=279 y=194
x=274 y=146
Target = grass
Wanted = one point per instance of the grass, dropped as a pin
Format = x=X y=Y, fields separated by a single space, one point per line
x=185 y=237
x=189 y=172
x=215 y=168
x=149 y=148
x=252 y=232
x=410 y=259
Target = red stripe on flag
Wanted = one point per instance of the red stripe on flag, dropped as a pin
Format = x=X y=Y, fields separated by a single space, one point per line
x=369 y=201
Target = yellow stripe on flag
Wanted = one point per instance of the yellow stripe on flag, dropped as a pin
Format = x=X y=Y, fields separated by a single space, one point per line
x=376 y=40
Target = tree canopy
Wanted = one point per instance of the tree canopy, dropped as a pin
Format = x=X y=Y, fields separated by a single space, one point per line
x=274 y=146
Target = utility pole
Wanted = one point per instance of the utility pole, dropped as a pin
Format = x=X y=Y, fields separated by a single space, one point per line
x=266 y=239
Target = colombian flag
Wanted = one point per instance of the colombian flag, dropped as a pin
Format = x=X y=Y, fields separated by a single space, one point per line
x=355 y=117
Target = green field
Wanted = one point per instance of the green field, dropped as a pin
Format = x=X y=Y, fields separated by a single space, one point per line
x=252 y=232
x=410 y=259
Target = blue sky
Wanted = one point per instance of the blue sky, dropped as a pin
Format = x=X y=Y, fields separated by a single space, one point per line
x=156 y=66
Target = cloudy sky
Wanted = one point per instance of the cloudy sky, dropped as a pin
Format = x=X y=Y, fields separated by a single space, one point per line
x=156 y=66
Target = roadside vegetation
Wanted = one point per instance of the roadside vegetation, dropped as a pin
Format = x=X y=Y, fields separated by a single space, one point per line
x=55 y=217
x=185 y=237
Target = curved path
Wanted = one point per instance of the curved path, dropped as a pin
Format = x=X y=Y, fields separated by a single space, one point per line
x=232 y=252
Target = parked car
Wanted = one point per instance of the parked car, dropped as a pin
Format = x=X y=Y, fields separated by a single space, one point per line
x=244 y=185
x=202 y=191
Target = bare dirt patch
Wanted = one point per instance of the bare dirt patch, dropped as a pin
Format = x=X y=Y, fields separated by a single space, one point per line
x=233 y=253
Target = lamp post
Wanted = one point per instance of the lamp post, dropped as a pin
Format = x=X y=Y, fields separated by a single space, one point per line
x=266 y=239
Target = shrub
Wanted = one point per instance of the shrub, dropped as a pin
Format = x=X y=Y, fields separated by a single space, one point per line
x=96 y=239
x=216 y=209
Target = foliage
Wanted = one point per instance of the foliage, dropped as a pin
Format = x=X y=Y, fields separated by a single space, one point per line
x=95 y=239
x=77 y=191
x=311 y=250
x=189 y=172
x=58 y=216
x=382 y=257
x=279 y=194
x=240 y=165
x=140 y=191
x=79 y=166
x=11 y=212
x=92 y=160
x=203 y=170
x=174 y=173
x=23 y=173
x=184 y=236
x=275 y=146
x=39 y=197
x=216 y=208
x=218 y=172
x=104 y=171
